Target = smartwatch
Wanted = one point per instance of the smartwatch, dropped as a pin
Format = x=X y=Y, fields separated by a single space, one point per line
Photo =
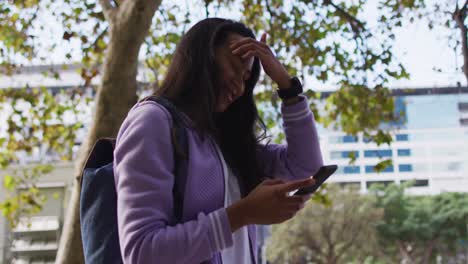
x=293 y=91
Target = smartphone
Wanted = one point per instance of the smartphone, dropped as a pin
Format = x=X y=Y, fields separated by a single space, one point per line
x=320 y=177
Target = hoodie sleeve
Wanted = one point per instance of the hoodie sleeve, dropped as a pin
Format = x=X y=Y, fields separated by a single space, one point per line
x=143 y=171
x=301 y=156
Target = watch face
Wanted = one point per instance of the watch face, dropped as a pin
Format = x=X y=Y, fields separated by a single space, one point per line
x=297 y=84
x=294 y=90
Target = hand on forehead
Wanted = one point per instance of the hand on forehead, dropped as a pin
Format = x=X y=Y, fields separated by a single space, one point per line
x=233 y=38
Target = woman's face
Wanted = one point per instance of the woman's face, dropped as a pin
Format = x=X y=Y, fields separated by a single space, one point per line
x=234 y=72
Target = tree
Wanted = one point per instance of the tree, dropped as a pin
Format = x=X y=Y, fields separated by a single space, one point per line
x=451 y=14
x=418 y=228
x=328 y=40
x=337 y=232
x=36 y=123
x=128 y=26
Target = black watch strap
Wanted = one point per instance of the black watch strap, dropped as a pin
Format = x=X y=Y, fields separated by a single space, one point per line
x=294 y=90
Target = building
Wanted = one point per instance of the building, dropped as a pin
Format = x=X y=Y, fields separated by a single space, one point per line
x=431 y=147
x=35 y=239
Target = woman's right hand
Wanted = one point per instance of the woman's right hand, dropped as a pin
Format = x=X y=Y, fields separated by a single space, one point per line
x=268 y=203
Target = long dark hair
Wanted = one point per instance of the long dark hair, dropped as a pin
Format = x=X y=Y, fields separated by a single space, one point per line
x=191 y=84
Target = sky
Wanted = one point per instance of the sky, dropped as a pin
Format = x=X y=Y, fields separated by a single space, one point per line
x=421 y=50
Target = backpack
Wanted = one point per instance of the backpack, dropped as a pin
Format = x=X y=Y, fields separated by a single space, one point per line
x=98 y=199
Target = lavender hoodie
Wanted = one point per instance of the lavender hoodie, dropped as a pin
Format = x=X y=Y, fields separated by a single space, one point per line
x=143 y=166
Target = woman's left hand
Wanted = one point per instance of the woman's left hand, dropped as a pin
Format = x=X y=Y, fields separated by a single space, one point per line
x=249 y=47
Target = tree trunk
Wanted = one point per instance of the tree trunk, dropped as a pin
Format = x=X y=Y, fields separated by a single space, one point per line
x=428 y=252
x=128 y=26
x=459 y=15
x=405 y=255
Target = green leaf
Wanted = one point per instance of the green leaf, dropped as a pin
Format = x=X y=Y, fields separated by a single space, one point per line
x=383 y=165
x=9 y=182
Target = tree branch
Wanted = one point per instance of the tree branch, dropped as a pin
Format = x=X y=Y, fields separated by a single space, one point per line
x=312 y=243
x=459 y=16
x=273 y=16
x=268 y=7
x=356 y=25
x=207 y=12
x=107 y=9
x=33 y=17
x=428 y=251
x=464 y=6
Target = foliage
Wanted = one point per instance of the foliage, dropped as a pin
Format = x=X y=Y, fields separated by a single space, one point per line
x=326 y=40
x=40 y=127
x=385 y=226
x=418 y=228
x=336 y=232
x=25 y=198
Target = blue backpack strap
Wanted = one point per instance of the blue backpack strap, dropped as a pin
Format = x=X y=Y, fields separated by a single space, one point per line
x=180 y=143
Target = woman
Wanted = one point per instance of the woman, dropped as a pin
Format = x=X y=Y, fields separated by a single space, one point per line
x=211 y=81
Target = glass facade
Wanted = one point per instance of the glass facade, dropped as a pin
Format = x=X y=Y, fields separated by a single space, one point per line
x=405 y=167
x=343 y=154
x=417 y=183
x=349 y=169
x=404 y=152
x=378 y=153
x=401 y=137
x=430 y=144
x=344 y=139
x=371 y=169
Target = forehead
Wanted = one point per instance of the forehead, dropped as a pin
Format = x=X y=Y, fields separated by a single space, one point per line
x=233 y=37
x=227 y=51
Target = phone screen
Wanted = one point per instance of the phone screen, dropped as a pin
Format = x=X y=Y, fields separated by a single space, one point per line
x=322 y=174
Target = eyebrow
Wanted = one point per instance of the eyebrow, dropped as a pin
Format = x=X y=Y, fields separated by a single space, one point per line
x=239 y=63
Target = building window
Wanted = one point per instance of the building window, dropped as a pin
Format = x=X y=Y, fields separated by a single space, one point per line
x=350 y=185
x=463 y=107
x=402 y=137
x=384 y=183
x=351 y=169
x=450 y=166
x=344 y=139
x=378 y=153
x=350 y=139
x=405 y=167
x=418 y=183
x=343 y=154
x=464 y=121
x=454 y=166
x=370 y=169
x=404 y=152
